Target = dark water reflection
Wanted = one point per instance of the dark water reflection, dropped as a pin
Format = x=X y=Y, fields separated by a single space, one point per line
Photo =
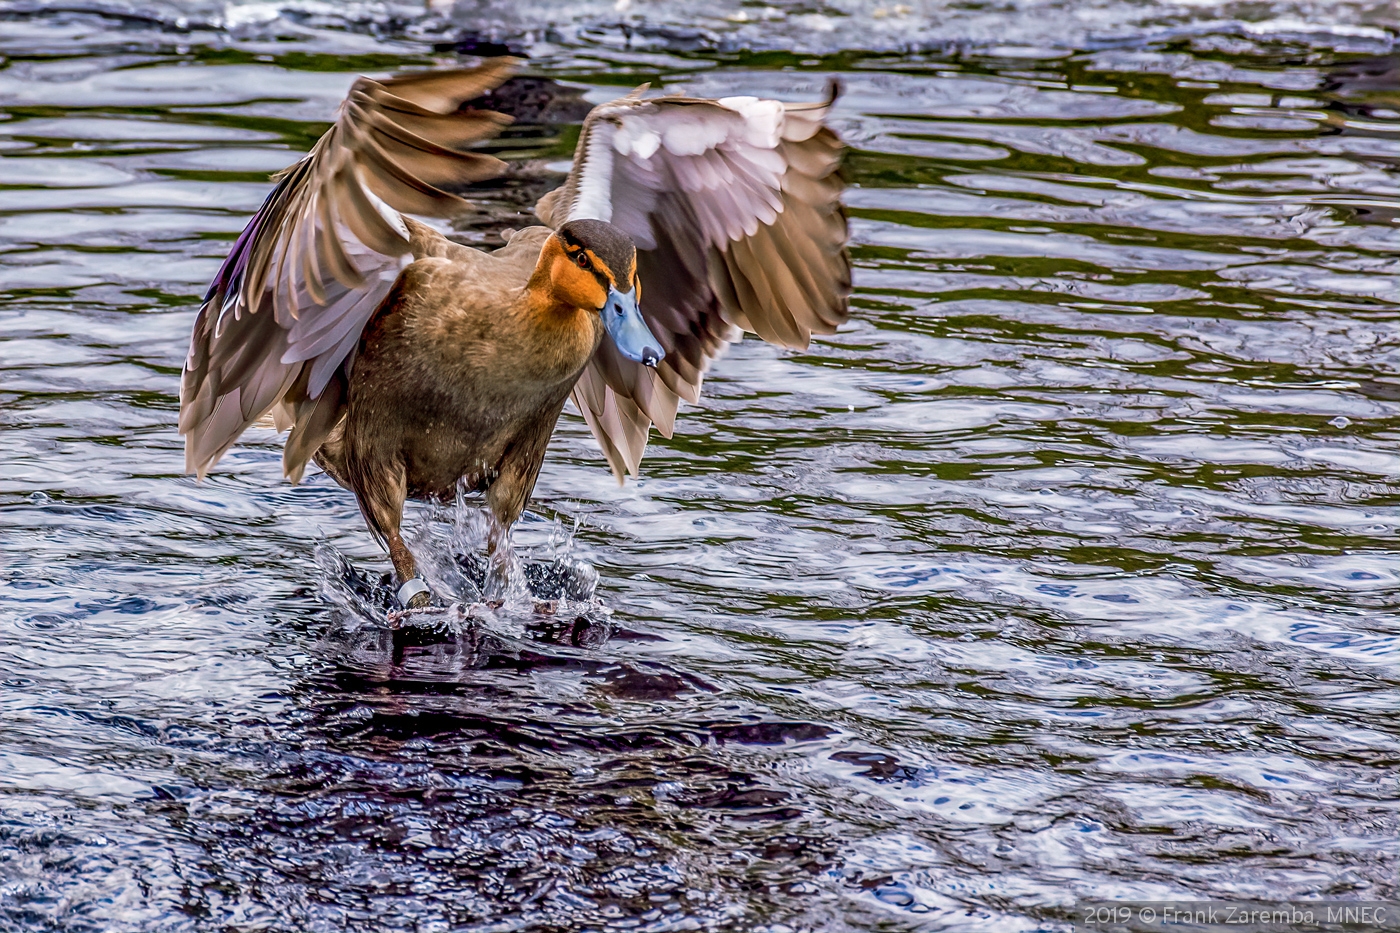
x=1067 y=569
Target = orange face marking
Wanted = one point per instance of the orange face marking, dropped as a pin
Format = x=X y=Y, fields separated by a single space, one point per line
x=572 y=275
x=574 y=283
x=587 y=259
x=632 y=277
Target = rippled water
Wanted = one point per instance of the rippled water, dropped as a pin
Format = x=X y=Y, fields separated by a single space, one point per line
x=1067 y=569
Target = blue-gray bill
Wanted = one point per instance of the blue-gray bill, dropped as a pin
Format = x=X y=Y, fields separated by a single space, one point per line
x=624 y=323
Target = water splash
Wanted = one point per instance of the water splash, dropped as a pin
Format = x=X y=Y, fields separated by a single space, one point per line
x=547 y=596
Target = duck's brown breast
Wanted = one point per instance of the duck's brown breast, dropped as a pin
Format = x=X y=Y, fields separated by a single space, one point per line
x=457 y=366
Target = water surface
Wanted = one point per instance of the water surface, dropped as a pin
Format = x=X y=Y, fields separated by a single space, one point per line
x=1065 y=570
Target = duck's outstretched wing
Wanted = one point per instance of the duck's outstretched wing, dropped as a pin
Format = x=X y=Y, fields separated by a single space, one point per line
x=735 y=208
x=282 y=319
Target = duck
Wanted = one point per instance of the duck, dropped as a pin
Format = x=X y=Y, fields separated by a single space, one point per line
x=407 y=365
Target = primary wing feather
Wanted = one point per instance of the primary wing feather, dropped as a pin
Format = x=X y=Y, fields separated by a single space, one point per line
x=735 y=209
x=283 y=317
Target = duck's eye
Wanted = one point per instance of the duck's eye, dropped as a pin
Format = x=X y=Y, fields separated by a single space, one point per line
x=583 y=260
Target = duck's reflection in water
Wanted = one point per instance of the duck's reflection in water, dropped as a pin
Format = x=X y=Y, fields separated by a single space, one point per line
x=502 y=768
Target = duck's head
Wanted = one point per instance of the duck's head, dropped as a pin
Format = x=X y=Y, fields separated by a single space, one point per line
x=592 y=264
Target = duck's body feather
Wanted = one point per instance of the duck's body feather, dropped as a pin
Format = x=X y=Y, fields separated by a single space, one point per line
x=453 y=382
x=406 y=364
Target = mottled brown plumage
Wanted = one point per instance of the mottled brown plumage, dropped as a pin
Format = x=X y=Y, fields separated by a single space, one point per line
x=406 y=364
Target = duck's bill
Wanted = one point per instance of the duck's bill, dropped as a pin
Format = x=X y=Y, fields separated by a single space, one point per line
x=624 y=324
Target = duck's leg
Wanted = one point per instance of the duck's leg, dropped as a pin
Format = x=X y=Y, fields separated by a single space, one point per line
x=507 y=496
x=499 y=559
x=381 y=501
x=413 y=593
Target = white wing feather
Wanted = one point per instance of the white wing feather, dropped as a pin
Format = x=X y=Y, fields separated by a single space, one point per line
x=734 y=208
